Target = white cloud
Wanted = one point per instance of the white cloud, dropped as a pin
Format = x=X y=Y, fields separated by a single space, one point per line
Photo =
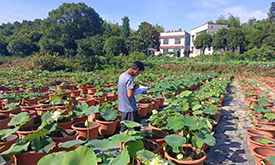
x=243 y=13
x=211 y=3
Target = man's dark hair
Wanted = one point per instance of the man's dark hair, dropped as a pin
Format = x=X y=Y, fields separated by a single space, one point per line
x=138 y=64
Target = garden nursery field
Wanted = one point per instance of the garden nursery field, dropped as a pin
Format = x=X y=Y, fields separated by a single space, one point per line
x=188 y=117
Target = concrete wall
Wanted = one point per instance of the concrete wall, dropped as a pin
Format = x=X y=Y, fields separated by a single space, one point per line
x=206 y=28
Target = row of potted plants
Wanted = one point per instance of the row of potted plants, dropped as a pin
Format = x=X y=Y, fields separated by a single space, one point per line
x=260 y=107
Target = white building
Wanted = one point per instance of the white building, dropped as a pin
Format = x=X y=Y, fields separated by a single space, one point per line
x=175 y=42
x=209 y=28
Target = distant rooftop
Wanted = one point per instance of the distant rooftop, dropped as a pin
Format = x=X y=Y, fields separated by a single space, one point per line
x=209 y=24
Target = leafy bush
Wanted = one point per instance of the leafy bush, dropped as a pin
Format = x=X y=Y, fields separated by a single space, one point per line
x=137 y=56
x=265 y=53
x=48 y=62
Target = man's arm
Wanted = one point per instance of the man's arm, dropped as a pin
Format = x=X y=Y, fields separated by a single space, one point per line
x=131 y=92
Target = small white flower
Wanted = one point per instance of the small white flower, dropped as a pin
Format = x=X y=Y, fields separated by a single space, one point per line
x=154 y=111
x=56 y=115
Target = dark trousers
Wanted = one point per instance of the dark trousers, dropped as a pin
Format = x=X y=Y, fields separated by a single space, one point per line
x=132 y=116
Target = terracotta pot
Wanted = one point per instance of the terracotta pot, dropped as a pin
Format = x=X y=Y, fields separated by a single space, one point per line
x=261 y=121
x=142 y=110
x=261 y=153
x=106 y=128
x=4 y=120
x=92 y=90
x=100 y=100
x=32 y=107
x=90 y=101
x=153 y=127
x=75 y=93
x=72 y=87
x=9 y=160
x=82 y=130
x=44 y=89
x=80 y=119
x=118 y=122
x=31 y=112
x=150 y=107
x=65 y=138
x=151 y=146
x=254 y=144
x=156 y=104
x=83 y=89
x=31 y=101
x=7 y=112
x=157 y=136
x=65 y=125
x=41 y=110
x=23 y=132
x=62 y=87
x=217 y=117
x=9 y=141
x=28 y=158
x=266 y=128
x=68 y=108
x=250 y=133
x=171 y=157
x=110 y=97
x=161 y=101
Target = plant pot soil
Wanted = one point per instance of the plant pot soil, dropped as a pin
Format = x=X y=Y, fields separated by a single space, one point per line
x=266 y=128
x=9 y=141
x=4 y=120
x=157 y=137
x=82 y=130
x=24 y=131
x=201 y=156
x=28 y=158
x=261 y=153
x=65 y=138
x=65 y=124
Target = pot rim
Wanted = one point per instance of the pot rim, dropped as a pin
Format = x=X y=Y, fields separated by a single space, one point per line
x=84 y=129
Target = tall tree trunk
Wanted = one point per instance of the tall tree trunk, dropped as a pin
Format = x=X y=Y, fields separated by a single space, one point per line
x=203 y=49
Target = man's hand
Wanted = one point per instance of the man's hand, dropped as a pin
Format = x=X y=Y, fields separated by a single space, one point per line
x=136 y=86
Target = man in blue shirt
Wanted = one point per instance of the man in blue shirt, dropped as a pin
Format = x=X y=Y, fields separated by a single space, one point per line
x=126 y=90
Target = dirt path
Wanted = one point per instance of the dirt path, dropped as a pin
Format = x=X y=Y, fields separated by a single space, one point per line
x=231 y=146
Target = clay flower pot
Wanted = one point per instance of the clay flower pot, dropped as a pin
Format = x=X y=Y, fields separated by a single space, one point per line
x=90 y=101
x=75 y=93
x=65 y=124
x=24 y=131
x=32 y=107
x=9 y=160
x=7 y=112
x=158 y=137
x=63 y=139
x=250 y=133
x=172 y=157
x=31 y=102
x=266 y=128
x=153 y=127
x=156 y=104
x=80 y=119
x=41 y=110
x=9 y=141
x=31 y=112
x=62 y=87
x=111 y=97
x=161 y=101
x=4 y=120
x=106 y=128
x=254 y=144
x=100 y=100
x=92 y=90
x=261 y=153
x=83 y=89
x=30 y=158
x=82 y=130
x=142 y=110
x=150 y=106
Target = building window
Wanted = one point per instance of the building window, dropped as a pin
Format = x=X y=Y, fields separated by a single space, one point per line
x=177 y=40
x=209 y=49
x=165 y=41
x=211 y=27
x=193 y=37
x=192 y=49
x=165 y=51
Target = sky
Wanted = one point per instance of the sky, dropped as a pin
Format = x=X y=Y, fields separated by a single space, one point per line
x=171 y=14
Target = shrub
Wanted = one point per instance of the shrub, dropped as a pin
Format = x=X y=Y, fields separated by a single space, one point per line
x=137 y=56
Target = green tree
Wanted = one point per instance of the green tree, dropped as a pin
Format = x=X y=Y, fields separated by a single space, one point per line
x=114 y=46
x=235 y=38
x=149 y=34
x=159 y=28
x=271 y=16
x=234 y=21
x=125 y=29
x=71 y=22
x=19 y=47
x=222 y=20
x=3 y=48
x=220 y=40
x=135 y=43
x=203 y=41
